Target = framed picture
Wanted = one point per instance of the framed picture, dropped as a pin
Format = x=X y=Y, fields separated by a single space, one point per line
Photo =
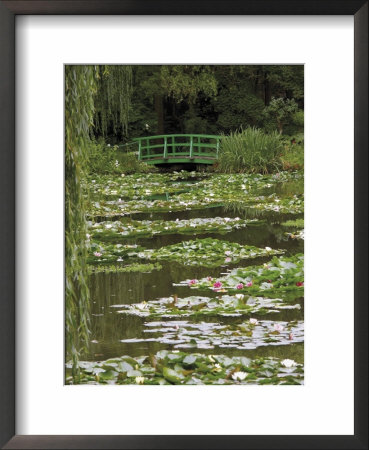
x=203 y=128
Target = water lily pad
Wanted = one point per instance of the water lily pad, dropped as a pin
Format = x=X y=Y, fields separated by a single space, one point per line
x=172 y=375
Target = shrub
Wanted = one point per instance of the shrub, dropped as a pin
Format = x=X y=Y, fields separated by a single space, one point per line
x=293 y=153
x=250 y=150
x=105 y=159
x=129 y=163
x=101 y=157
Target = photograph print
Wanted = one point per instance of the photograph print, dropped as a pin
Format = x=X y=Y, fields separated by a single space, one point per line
x=184 y=224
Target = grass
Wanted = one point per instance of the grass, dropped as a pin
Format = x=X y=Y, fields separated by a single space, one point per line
x=250 y=150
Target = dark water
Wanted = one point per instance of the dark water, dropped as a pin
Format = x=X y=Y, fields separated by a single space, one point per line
x=109 y=327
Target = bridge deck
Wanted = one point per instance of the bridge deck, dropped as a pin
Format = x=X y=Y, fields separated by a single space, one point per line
x=178 y=148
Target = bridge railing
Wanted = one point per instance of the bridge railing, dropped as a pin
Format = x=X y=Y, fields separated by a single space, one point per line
x=174 y=146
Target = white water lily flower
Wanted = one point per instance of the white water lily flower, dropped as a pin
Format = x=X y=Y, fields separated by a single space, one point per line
x=288 y=363
x=254 y=321
x=142 y=305
x=239 y=376
x=239 y=296
x=217 y=368
x=108 y=225
x=268 y=249
x=140 y=380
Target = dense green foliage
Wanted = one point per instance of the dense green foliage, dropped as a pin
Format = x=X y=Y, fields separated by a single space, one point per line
x=214 y=99
x=281 y=111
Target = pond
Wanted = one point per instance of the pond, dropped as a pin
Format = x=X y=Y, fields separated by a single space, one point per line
x=196 y=278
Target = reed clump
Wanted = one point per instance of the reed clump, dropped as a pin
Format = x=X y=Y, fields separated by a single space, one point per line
x=250 y=150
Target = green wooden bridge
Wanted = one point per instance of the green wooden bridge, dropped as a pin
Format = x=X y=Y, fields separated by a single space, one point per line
x=178 y=148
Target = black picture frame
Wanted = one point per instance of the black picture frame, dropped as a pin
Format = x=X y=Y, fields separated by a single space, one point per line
x=8 y=11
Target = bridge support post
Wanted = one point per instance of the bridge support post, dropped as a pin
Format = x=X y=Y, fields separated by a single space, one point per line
x=191 y=147
x=139 y=150
x=165 y=148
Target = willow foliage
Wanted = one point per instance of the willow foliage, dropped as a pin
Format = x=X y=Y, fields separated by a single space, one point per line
x=80 y=88
x=90 y=91
x=112 y=101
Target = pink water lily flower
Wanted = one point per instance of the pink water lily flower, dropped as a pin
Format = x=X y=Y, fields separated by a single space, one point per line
x=210 y=278
x=249 y=284
x=192 y=282
x=227 y=252
x=97 y=254
x=299 y=283
x=278 y=327
x=217 y=285
x=227 y=260
x=239 y=286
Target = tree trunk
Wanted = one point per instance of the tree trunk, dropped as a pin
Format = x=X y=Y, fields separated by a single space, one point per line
x=280 y=126
x=159 y=109
x=267 y=94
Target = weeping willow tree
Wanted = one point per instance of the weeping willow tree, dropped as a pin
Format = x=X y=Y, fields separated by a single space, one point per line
x=112 y=101
x=80 y=88
x=85 y=87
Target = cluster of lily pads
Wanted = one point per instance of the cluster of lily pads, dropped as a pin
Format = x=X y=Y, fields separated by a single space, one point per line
x=200 y=252
x=100 y=252
x=198 y=306
x=127 y=228
x=296 y=223
x=207 y=252
x=134 y=194
x=247 y=335
x=283 y=274
x=136 y=185
x=143 y=185
x=180 y=368
x=197 y=200
x=135 y=267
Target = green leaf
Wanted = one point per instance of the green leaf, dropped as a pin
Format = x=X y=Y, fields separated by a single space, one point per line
x=172 y=375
